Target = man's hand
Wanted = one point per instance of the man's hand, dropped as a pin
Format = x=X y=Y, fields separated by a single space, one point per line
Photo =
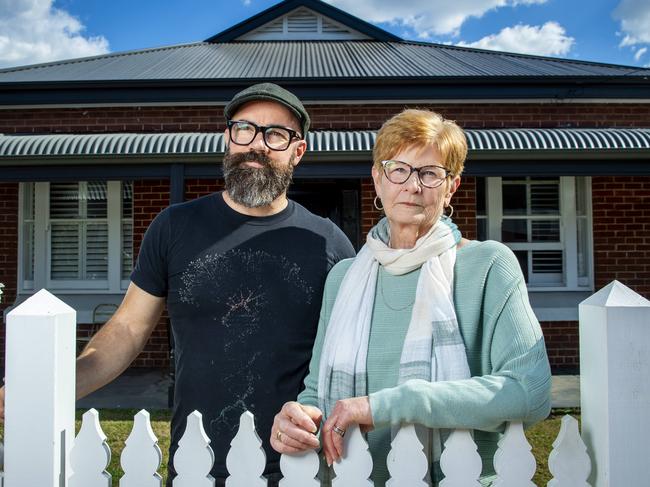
x=295 y=427
x=346 y=413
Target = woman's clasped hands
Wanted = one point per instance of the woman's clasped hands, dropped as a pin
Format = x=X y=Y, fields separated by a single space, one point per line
x=295 y=427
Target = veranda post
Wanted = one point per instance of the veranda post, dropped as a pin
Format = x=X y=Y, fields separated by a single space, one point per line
x=40 y=392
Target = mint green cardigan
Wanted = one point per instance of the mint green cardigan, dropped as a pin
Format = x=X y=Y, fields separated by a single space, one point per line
x=511 y=377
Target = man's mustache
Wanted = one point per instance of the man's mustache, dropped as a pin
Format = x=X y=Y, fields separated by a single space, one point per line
x=250 y=156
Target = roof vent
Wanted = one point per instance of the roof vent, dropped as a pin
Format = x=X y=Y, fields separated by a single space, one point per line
x=331 y=27
x=302 y=21
x=302 y=24
x=276 y=27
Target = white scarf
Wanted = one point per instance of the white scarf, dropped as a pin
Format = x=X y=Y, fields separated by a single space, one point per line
x=433 y=348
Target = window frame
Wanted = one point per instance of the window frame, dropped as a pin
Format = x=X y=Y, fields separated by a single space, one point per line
x=568 y=232
x=42 y=245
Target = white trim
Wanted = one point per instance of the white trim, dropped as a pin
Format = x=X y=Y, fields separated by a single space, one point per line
x=22 y=283
x=113 y=284
x=568 y=243
x=356 y=102
x=569 y=224
x=556 y=314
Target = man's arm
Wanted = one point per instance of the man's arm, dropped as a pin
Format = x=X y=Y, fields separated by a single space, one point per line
x=112 y=349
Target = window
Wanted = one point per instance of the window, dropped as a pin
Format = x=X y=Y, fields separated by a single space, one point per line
x=76 y=235
x=546 y=223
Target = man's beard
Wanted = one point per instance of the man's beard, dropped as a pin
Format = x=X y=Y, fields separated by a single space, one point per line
x=255 y=186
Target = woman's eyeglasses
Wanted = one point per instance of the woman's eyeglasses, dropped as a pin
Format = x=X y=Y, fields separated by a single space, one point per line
x=399 y=172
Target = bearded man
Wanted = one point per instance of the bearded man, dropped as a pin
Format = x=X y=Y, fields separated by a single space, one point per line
x=242 y=274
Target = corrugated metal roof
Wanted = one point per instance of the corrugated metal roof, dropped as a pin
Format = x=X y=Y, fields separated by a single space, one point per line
x=309 y=60
x=88 y=145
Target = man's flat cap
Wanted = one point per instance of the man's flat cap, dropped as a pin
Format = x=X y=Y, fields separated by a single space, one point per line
x=270 y=92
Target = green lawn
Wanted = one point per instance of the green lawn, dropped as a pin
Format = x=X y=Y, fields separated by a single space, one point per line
x=117 y=424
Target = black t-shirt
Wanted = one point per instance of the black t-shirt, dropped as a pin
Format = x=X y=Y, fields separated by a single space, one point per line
x=243 y=295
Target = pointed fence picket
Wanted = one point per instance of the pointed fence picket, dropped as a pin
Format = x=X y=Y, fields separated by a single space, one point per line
x=514 y=463
x=246 y=459
x=355 y=466
x=90 y=454
x=460 y=462
x=569 y=462
x=406 y=462
x=141 y=457
x=300 y=470
x=194 y=458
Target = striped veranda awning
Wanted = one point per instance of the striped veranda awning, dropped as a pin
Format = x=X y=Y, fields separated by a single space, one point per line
x=151 y=144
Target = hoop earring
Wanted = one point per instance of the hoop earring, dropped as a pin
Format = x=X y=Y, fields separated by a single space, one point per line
x=377 y=207
x=450 y=213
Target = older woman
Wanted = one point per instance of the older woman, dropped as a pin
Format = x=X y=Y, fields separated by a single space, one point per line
x=423 y=326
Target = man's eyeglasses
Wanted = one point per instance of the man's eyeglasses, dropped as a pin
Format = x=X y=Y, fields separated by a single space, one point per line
x=399 y=172
x=275 y=138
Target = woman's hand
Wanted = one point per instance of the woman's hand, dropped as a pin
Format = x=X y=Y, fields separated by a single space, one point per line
x=294 y=428
x=346 y=412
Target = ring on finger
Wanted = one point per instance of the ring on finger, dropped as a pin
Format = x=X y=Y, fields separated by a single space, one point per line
x=338 y=431
x=278 y=436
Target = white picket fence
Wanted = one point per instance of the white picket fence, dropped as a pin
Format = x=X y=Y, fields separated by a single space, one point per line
x=40 y=449
x=407 y=463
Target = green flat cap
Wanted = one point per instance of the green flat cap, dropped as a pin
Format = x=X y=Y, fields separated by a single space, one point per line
x=270 y=92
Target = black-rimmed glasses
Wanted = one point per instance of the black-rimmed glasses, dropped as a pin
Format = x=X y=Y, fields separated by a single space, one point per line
x=399 y=172
x=275 y=137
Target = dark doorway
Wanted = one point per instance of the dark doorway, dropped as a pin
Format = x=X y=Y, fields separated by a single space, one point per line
x=337 y=200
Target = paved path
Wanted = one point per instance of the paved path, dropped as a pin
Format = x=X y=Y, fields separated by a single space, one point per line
x=148 y=389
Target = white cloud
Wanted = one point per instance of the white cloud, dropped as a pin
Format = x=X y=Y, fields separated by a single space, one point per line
x=640 y=53
x=549 y=39
x=32 y=31
x=426 y=17
x=634 y=16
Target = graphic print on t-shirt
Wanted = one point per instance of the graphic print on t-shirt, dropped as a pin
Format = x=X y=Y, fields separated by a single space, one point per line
x=241 y=291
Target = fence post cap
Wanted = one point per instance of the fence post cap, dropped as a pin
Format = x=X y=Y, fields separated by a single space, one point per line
x=616 y=294
x=42 y=303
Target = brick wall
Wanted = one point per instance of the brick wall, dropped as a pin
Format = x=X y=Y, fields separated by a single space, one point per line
x=8 y=253
x=210 y=119
x=149 y=198
x=464 y=203
x=621 y=224
x=491 y=115
x=195 y=188
x=369 y=214
x=562 y=345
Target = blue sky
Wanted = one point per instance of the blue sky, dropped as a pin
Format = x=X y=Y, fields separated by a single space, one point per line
x=611 y=31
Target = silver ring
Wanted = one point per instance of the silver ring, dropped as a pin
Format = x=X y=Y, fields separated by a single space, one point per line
x=338 y=431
